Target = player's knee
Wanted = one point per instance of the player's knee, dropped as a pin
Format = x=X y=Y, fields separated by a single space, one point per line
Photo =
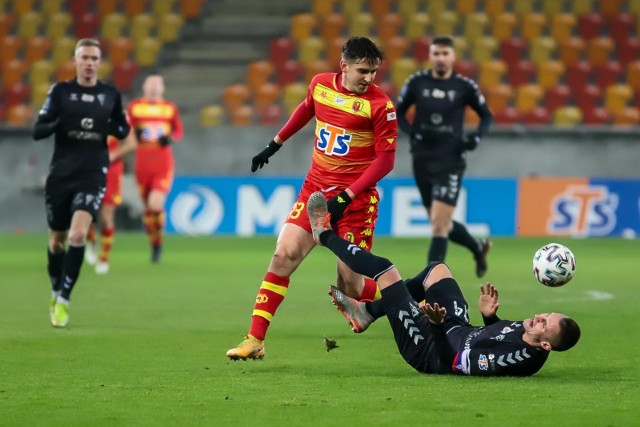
x=77 y=238
x=56 y=246
x=437 y=273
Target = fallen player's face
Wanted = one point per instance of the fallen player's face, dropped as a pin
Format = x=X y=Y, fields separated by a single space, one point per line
x=543 y=327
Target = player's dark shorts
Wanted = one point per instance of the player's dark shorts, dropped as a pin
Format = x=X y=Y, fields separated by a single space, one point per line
x=64 y=195
x=441 y=186
x=412 y=329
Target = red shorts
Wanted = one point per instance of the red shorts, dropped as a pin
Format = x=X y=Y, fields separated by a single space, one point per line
x=113 y=195
x=154 y=180
x=356 y=225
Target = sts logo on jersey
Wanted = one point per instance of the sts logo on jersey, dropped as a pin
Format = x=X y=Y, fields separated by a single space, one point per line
x=334 y=141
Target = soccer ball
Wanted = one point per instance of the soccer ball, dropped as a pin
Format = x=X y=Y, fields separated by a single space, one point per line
x=554 y=265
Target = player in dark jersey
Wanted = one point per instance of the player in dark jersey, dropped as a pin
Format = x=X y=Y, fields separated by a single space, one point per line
x=438 y=145
x=435 y=336
x=80 y=113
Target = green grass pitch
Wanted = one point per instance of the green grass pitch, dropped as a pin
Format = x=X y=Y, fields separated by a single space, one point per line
x=145 y=344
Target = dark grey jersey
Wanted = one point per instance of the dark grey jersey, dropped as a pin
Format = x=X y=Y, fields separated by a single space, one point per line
x=438 y=125
x=496 y=350
x=81 y=118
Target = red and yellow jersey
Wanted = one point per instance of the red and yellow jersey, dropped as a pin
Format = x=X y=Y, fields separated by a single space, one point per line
x=350 y=129
x=151 y=120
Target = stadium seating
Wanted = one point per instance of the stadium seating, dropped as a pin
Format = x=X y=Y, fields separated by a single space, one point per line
x=401 y=69
x=512 y=50
x=597 y=116
x=444 y=22
x=499 y=97
x=567 y=117
x=522 y=73
x=190 y=9
x=628 y=50
x=588 y=97
x=618 y=97
x=120 y=50
x=362 y=24
x=293 y=94
x=29 y=24
x=332 y=26
x=557 y=97
x=211 y=115
x=113 y=25
x=395 y=48
x=508 y=116
x=19 y=115
x=388 y=27
x=146 y=52
x=539 y=116
x=289 y=72
x=259 y=73
x=629 y=116
x=590 y=26
x=416 y=25
x=14 y=71
x=169 y=27
x=7 y=21
x=9 y=48
x=494 y=8
x=310 y=50
x=233 y=96
x=528 y=97
x=600 y=50
x=316 y=67
x=542 y=49
x=503 y=26
x=466 y=68
x=124 y=74
x=492 y=73
x=242 y=115
x=323 y=8
x=608 y=74
x=36 y=49
x=133 y=8
x=380 y=8
x=302 y=26
x=578 y=75
x=475 y=25
x=266 y=95
x=58 y=25
x=87 y=25
x=571 y=50
x=281 y=49
x=550 y=73
x=52 y=7
x=562 y=25
x=633 y=75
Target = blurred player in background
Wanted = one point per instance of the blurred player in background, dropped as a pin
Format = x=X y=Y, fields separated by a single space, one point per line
x=80 y=113
x=438 y=146
x=112 y=199
x=355 y=143
x=435 y=336
x=156 y=124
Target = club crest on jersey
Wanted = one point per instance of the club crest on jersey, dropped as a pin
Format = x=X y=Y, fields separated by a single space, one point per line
x=357 y=105
x=333 y=140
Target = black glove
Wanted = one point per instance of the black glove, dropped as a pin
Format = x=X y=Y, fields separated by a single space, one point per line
x=471 y=141
x=164 y=140
x=337 y=204
x=262 y=158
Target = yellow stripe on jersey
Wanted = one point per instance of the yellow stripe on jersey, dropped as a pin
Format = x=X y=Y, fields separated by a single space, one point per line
x=146 y=111
x=277 y=289
x=347 y=103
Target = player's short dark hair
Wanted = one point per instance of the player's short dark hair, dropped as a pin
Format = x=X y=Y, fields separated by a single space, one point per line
x=442 y=41
x=569 y=334
x=358 y=48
